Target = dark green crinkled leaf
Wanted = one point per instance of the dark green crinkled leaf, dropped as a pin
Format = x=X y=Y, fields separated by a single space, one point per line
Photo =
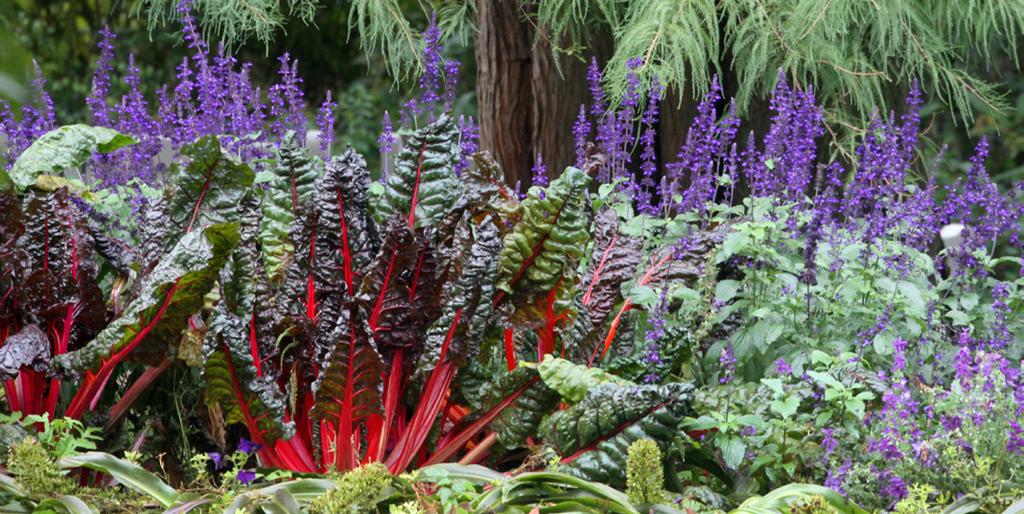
x=572 y=381
x=470 y=298
x=56 y=269
x=387 y=286
x=121 y=256
x=520 y=420
x=593 y=436
x=348 y=236
x=64 y=149
x=686 y=261
x=154 y=231
x=206 y=191
x=613 y=262
x=546 y=245
x=288 y=193
x=229 y=373
x=168 y=296
x=29 y=348
x=351 y=380
x=11 y=228
x=424 y=176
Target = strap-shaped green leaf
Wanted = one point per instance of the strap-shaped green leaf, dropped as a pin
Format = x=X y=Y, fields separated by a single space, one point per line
x=423 y=185
x=127 y=474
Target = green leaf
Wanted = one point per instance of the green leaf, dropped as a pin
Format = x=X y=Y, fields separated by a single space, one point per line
x=206 y=191
x=66 y=503
x=289 y=191
x=167 y=297
x=570 y=380
x=726 y=290
x=64 y=149
x=550 y=239
x=128 y=474
x=774 y=384
x=786 y=408
x=594 y=435
x=780 y=499
x=733 y=450
x=423 y=185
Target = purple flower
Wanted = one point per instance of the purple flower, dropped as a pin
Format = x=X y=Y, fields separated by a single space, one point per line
x=727 y=360
x=899 y=361
x=950 y=423
x=1015 y=441
x=469 y=142
x=748 y=431
x=386 y=141
x=247 y=446
x=539 y=173
x=962 y=366
x=697 y=160
x=217 y=459
x=893 y=487
x=782 y=367
x=829 y=443
x=581 y=133
x=245 y=476
x=835 y=478
x=97 y=99
x=325 y=122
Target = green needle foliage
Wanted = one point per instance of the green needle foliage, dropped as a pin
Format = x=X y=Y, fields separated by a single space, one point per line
x=852 y=51
x=858 y=54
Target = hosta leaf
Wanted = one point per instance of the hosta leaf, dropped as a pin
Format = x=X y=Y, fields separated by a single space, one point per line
x=29 y=348
x=168 y=297
x=546 y=245
x=572 y=381
x=207 y=190
x=348 y=389
x=64 y=149
x=234 y=384
x=593 y=436
x=288 y=193
x=423 y=185
x=613 y=262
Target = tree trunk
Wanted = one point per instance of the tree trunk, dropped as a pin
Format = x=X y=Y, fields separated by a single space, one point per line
x=556 y=102
x=503 y=86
